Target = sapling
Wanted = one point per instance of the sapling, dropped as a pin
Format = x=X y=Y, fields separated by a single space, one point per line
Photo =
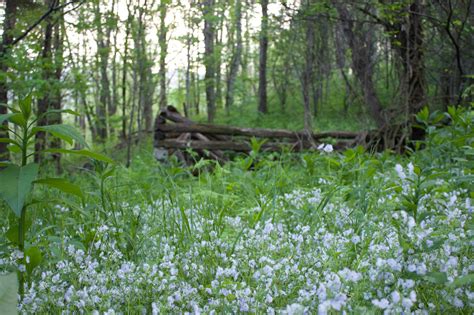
x=17 y=179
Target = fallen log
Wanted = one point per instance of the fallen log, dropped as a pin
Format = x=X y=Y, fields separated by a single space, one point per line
x=227 y=145
x=208 y=129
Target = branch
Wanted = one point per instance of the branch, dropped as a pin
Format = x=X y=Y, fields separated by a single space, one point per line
x=50 y=11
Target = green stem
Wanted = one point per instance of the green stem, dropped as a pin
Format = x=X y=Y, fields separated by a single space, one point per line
x=21 y=247
x=22 y=221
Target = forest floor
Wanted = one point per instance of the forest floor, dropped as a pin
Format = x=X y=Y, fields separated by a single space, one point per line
x=283 y=233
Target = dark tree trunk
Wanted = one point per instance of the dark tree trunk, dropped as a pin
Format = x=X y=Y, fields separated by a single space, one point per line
x=44 y=103
x=103 y=46
x=7 y=38
x=163 y=52
x=307 y=80
x=236 y=57
x=209 y=58
x=262 y=69
x=196 y=92
x=218 y=57
x=56 y=99
x=124 y=81
x=361 y=46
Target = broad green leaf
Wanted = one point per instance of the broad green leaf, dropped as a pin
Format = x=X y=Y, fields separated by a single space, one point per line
x=16 y=184
x=8 y=294
x=436 y=277
x=463 y=280
x=92 y=155
x=18 y=119
x=14 y=148
x=12 y=234
x=34 y=258
x=61 y=184
x=25 y=106
x=6 y=117
x=64 y=132
x=11 y=141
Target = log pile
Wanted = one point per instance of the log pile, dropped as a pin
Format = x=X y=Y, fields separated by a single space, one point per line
x=177 y=135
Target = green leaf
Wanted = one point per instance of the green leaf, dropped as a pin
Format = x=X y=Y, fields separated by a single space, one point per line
x=87 y=153
x=8 y=294
x=16 y=184
x=11 y=141
x=12 y=234
x=25 y=106
x=61 y=184
x=16 y=118
x=6 y=117
x=64 y=132
x=436 y=277
x=463 y=280
x=34 y=256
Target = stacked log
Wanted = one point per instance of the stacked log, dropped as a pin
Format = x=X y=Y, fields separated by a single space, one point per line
x=177 y=135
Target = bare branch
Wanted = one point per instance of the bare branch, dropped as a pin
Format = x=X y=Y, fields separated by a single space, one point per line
x=50 y=11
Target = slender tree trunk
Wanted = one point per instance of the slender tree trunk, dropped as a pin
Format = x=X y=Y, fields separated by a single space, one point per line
x=163 y=53
x=113 y=103
x=414 y=68
x=124 y=80
x=262 y=69
x=7 y=38
x=209 y=59
x=218 y=57
x=236 y=58
x=103 y=46
x=58 y=48
x=308 y=71
x=44 y=103
x=196 y=91
x=187 y=103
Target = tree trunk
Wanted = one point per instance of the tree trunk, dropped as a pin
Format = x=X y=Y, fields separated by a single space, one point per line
x=163 y=53
x=44 y=103
x=262 y=69
x=236 y=58
x=56 y=100
x=209 y=58
x=218 y=56
x=361 y=45
x=124 y=80
x=7 y=38
x=103 y=47
x=308 y=71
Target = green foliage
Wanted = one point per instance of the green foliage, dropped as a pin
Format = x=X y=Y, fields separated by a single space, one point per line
x=16 y=183
x=8 y=294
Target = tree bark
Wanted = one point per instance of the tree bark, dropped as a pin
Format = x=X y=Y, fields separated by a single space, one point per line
x=262 y=69
x=361 y=62
x=124 y=79
x=7 y=39
x=163 y=53
x=56 y=100
x=44 y=103
x=209 y=58
x=103 y=49
x=236 y=58
x=307 y=79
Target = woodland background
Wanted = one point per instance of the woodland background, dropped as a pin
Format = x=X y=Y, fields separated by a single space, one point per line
x=312 y=64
